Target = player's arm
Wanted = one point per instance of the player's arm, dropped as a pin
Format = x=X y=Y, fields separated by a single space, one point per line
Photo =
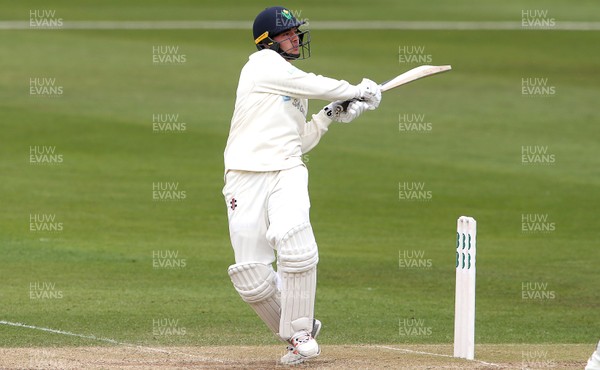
x=313 y=130
x=319 y=124
x=281 y=78
x=298 y=84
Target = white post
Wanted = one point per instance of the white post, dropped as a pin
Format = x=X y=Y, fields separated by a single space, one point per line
x=464 y=305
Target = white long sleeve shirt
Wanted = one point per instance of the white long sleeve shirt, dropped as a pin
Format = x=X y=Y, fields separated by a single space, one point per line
x=268 y=130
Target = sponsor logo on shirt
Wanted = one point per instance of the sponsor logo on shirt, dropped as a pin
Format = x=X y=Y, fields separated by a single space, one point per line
x=298 y=104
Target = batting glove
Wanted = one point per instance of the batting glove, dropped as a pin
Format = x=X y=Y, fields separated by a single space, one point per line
x=370 y=92
x=336 y=112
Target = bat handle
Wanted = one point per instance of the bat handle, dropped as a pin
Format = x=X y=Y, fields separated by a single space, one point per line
x=342 y=107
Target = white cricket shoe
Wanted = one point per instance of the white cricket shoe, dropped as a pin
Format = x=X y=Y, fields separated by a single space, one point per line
x=303 y=346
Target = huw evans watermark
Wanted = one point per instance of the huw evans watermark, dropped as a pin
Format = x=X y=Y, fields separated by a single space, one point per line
x=537 y=86
x=167 y=55
x=537 y=155
x=413 y=259
x=167 y=326
x=413 y=54
x=537 y=223
x=414 y=328
x=167 y=122
x=167 y=191
x=167 y=259
x=533 y=290
x=44 y=290
x=44 y=19
x=537 y=359
x=44 y=154
x=286 y=17
x=45 y=87
x=537 y=19
x=414 y=191
x=44 y=222
x=413 y=123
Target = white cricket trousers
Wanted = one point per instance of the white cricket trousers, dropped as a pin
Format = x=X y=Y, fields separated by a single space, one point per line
x=262 y=207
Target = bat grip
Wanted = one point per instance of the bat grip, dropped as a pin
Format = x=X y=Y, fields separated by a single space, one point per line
x=343 y=107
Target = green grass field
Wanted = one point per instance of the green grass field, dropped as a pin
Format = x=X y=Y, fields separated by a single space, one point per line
x=101 y=262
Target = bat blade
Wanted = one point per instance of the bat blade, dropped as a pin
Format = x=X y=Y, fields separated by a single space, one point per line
x=412 y=75
x=403 y=79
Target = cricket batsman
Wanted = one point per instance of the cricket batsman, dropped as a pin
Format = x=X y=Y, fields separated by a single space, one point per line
x=266 y=181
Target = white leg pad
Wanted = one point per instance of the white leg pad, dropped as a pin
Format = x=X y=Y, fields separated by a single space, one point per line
x=257 y=285
x=297 y=265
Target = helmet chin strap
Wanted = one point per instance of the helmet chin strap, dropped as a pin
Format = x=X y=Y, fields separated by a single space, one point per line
x=289 y=56
x=276 y=47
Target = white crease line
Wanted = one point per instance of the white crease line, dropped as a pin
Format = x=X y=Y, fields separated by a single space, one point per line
x=434 y=354
x=93 y=337
x=106 y=340
x=324 y=25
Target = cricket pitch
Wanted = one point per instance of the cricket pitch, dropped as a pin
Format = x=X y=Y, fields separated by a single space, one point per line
x=395 y=356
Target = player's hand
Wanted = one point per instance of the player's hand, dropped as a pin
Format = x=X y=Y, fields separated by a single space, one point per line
x=370 y=92
x=335 y=111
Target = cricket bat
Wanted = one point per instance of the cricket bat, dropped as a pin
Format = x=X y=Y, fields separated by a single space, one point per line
x=413 y=75
x=409 y=76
